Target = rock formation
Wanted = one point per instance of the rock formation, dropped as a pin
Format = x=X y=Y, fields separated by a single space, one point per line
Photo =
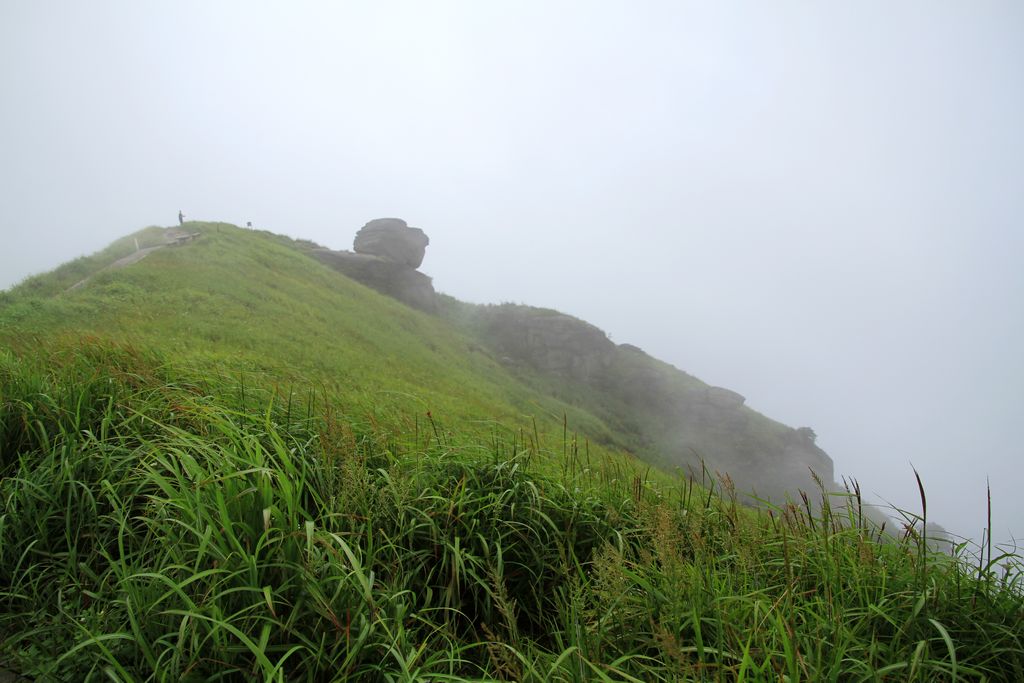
x=386 y=254
x=663 y=414
x=392 y=240
x=549 y=341
x=674 y=419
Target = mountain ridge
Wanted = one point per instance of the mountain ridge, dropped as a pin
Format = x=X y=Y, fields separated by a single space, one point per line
x=230 y=461
x=619 y=396
x=638 y=403
x=670 y=417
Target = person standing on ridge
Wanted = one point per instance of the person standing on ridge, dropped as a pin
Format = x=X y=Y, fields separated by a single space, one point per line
x=181 y=218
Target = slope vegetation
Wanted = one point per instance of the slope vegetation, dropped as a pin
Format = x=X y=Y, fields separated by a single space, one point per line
x=238 y=301
x=229 y=462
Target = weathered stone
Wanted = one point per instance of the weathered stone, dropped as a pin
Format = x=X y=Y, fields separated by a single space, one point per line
x=676 y=420
x=397 y=280
x=393 y=240
x=387 y=253
x=550 y=341
x=800 y=456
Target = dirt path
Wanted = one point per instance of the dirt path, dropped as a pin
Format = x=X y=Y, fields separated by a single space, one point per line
x=174 y=238
x=119 y=263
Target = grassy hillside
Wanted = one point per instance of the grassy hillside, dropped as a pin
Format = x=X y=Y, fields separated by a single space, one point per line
x=240 y=301
x=228 y=462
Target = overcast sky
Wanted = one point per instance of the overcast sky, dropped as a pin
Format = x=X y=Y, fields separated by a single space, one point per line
x=815 y=204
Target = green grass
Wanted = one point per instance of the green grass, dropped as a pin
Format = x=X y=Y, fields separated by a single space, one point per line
x=239 y=301
x=206 y=477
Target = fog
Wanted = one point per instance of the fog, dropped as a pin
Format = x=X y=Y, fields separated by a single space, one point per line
x=817 y=205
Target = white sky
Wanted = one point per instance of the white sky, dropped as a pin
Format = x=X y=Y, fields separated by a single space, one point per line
x=816 y=204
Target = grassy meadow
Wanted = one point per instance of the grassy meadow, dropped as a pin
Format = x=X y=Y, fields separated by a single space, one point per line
x=227 y=462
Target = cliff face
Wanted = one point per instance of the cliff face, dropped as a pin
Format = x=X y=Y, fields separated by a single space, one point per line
x=669 y=417
x=547 y=341
x=676 y=420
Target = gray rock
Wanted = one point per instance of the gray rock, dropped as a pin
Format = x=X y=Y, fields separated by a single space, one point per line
x=387 y=253
x=549 y=341
x=391 y=239
x=397 y=280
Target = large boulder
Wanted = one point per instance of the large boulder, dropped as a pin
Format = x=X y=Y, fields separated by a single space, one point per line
x=391 y=239
x=387 y=253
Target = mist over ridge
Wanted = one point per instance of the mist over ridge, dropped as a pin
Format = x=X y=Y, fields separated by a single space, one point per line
x=815 y=207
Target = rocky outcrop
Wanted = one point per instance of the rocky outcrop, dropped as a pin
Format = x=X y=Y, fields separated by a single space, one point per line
x=386 y=254
x=549 y=341
x=392 y=240
x=668 y=416
x=802 y=455
x=661 y=413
